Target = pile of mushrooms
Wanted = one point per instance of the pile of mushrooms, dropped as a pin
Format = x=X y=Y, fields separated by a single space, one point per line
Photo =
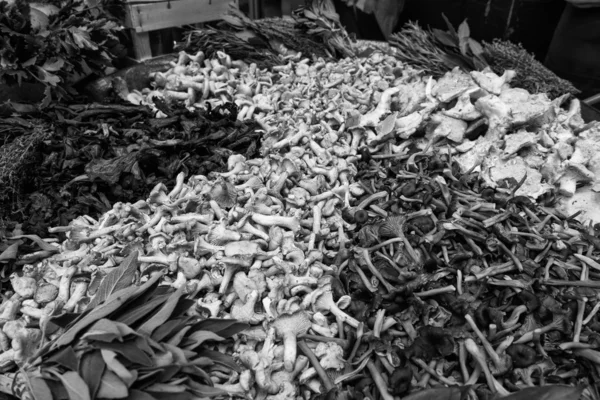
x=267 y=241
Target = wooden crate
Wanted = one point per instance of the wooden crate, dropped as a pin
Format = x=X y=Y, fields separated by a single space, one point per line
x=145 y=16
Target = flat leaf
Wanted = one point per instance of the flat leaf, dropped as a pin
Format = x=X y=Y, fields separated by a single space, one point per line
x=445 y=38
x=53 y=64
x=102 y=311
x=166 y=329
x=91 y=369
x=207 y=391
x=463 y=30
x=139 y=395
x=82 y=38
x=93 y=316
x=220 y=358
x=112 y=387
x=475 y=47
x=128 y=350
x=114 y=365
x=222 y=327
x=106 y=330
x=65 y=357
x=449 y=25
x=75 y=386
x=37 y=385
x=47 y=77
x=117 y=279
x=163 y=314
x=199 y=337
x=444 y=393
x=10 y=253
x=136 y=314
x=551 y=392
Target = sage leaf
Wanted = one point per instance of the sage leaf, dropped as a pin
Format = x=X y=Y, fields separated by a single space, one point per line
x=551 y=392
x=112 y=387
x=222 y=327
x=132 y=316
x=114 y=365
x=106 y=330
x=119 y=298
x=37 y=386
x=65 y=357
x=128 y=350
x=199 y=337
x=116 y=279
x=91 y=369
x=220 y=358
x=163 y=314
x=74 y=385
x=139 y=395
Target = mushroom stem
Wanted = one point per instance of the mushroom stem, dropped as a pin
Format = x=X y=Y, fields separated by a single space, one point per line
x=314 y=361
x=486 y=345
x=379 y=381
x=434 y=292
x=579 y=320
x=476 y=353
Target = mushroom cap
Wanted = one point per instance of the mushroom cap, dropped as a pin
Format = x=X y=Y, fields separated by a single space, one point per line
x=296 y=323
x=578 y=171
x=224 y=194
x=392 y=226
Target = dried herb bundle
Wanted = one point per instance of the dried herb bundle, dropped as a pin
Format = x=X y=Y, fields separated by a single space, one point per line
x=437 y=52
x=314 y=31
x=531 y=74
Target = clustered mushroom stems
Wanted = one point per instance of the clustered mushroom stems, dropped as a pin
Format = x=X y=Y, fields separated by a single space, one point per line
x=251 y=243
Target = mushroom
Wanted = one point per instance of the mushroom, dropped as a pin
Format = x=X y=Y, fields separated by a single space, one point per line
x=573 y=175
x=288 y=327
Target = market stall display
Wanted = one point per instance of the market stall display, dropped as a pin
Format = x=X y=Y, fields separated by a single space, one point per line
x=372 y=248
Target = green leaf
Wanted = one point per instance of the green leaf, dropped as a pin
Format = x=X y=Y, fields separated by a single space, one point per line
x=206 y=391
x=199 y=337
x=139 y=395
x=220 y=358
x=463 y=30
x=551 y=392
x=53 y=64
x=475 y=47
x=129 y=350
x=91 y=369
x=37 y=385
x=111 y=305
x=445 y=393
x=163 y=314
x=170 y=328
x=82 y=38
x=112 y=387
x=74 y=384
x=222 y=327
x=47 y=77
x=65 y=357
x=106 y=330
x=10 y=253
x=117 y=279
x=114 y=365
x=135 y=314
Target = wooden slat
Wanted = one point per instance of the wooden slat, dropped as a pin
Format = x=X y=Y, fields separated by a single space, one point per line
x=160 y=15
x=141 y=45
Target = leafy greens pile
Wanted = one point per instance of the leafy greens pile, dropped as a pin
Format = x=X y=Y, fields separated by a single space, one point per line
x=135 y=335
x=87 y=157
x=56 y=44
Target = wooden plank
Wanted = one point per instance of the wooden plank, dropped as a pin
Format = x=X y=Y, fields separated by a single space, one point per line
x=153 y=16
x=141 y=45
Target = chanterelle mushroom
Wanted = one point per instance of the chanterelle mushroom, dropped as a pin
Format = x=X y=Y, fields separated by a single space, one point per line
x=573 y=175
x=288 y=327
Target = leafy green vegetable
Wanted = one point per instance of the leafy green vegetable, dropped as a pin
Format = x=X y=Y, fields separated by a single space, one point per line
x=56 y=44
